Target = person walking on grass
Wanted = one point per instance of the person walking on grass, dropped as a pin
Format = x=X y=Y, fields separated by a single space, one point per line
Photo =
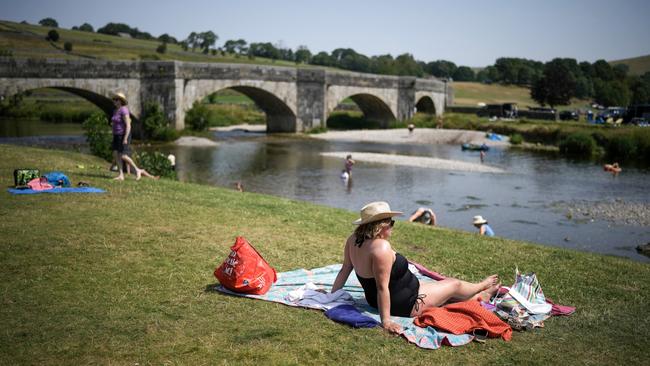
x=121 y=125
x=387 y=282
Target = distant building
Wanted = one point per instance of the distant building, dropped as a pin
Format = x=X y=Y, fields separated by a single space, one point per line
x=124 y=35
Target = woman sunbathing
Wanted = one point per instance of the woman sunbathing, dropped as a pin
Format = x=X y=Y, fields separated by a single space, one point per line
x=387 y=282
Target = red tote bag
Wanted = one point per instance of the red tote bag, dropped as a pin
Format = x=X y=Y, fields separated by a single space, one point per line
x=245 y=270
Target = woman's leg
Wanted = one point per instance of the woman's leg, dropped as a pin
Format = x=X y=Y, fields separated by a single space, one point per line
x=128 y=160
x=116 y=156
x=437 y=293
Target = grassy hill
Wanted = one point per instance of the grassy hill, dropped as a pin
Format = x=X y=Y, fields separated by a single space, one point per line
x=26 y=40
x=638 y=65
x=472 y=93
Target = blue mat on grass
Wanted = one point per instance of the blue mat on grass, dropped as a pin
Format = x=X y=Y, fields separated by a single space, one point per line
x=58 y=190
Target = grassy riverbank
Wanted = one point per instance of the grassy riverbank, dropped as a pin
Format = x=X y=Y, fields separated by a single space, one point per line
x=121 y=278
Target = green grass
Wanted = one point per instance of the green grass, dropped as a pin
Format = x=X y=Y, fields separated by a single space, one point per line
x=471 y=93
x=121 y=278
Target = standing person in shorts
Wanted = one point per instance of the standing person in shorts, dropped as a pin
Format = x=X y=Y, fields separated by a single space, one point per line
x=121 y=124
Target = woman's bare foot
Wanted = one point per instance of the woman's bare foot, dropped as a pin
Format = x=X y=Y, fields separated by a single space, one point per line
x=489 y=281
x=138 y=174
x=121 y=177
x=487 y=294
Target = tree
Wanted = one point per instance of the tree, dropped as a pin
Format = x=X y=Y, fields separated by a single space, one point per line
x=383 y=64
x=441 y=68
x=192 y=40
x=557 y=85
x=166 y=38
x=463 y=73
x=86 y=28
x=641 y=89
x=620 y=71
x=406 y=64
x=611 y=93
x=53 y=35
x=302 y=55
x=67 y=46
x=603 y=70
x=48 y=22
x=207 y=40
x=322 y=58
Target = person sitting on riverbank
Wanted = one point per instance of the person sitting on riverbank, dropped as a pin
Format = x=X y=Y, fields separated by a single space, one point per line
x=387 y=282
x=423 y=215
x=612 y=168
x=482 y=225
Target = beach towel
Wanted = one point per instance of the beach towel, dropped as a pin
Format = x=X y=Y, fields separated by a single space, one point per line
x=57 y=190
x=324 y=277
x=465 y=317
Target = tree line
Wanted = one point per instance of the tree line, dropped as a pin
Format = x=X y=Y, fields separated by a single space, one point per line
x=551 y=83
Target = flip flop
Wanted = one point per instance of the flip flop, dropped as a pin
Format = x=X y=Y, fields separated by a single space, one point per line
x=480 y=335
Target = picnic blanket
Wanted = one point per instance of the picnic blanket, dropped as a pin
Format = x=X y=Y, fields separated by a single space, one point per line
x=324 y=277
x=58 y=190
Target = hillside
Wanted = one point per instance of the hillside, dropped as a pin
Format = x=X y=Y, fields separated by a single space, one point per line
x=472 y=93
x=638 y=65
x=27 y=40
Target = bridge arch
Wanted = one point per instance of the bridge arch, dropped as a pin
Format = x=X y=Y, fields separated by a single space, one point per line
x=276 y=100
x=429 y=102
x=98 y=92
x=374 y=106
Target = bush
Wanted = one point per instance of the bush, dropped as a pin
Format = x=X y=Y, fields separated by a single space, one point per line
x=53 y=35
x=198 y=117
x=67 y=46
x=162 y=48
x=621 y=147
x=516 y=139
x=578 y=143
x=99 y=135
x=48 y=22
x=155 y=163
x=6 y=53
x=155 y=123
x=317 y=130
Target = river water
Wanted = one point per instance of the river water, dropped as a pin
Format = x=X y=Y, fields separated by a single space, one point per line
x=529 y=202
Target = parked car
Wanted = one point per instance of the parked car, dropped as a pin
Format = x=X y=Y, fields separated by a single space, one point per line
x=569 y=115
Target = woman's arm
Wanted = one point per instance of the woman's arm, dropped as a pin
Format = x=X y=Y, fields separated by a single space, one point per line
x=482 y=230
x=346 y=268
x=382 y=263
x=433 y=218
x=127 y=132
x=416 y=214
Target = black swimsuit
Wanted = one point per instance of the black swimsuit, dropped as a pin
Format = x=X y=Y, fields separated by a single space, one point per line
x=403 y=287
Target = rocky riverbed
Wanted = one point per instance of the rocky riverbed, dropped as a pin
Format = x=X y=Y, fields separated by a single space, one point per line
x=617 y=211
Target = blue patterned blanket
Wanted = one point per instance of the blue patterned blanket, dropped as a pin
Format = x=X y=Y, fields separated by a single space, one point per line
x=324 y=277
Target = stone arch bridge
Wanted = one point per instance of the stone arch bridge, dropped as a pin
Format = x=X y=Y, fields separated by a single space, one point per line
x=294 y=99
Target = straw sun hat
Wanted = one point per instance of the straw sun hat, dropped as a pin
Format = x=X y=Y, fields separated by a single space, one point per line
x=479 y=220
x=375 y=211
x=121 y=97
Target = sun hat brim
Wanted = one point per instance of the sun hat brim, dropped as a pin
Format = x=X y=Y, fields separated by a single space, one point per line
x=121 y=97
x=378 y=217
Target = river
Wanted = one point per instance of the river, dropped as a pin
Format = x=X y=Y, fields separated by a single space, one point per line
x=534 y=200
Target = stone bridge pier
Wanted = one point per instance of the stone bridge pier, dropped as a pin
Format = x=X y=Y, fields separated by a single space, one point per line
x=294 y=99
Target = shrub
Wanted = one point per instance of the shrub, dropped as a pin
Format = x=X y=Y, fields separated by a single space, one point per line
x=162 y=48
x=155 y=123
x=578 y=143
x=48 y=22
x=99 y=136
x=6 y=53
x=621 y=147
x=155 y=163
x=197 y=118
x=67 y=46
x=317 y=130
x=516 y=139
x=53 y=35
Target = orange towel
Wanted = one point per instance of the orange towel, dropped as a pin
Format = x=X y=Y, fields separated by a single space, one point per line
x=465 y=317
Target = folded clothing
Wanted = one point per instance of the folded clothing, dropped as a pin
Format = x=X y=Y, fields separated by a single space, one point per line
x=350 y=315
x=464 y=317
